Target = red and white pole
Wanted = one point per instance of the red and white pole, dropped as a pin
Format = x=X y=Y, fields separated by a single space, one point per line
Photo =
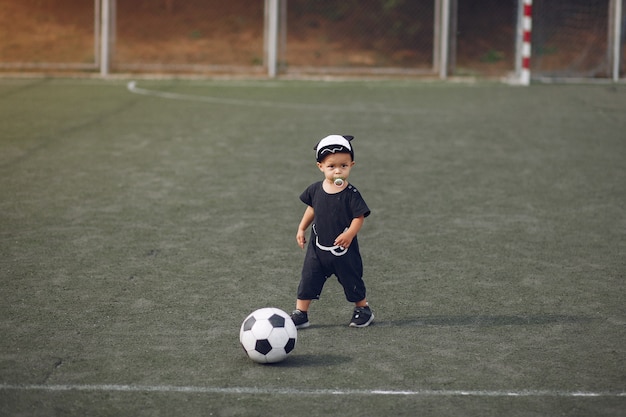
x=527 y=22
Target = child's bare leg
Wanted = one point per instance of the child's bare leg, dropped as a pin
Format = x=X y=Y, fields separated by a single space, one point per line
x=362 y=303
x=303 y=305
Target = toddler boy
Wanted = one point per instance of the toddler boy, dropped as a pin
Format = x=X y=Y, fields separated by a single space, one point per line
x=336 y=210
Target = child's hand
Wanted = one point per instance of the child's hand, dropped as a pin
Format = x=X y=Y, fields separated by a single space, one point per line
x=301 y=238
x=344 y=240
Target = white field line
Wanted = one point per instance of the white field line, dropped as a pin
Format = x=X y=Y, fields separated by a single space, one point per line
x=133 y=88
x=300 y=392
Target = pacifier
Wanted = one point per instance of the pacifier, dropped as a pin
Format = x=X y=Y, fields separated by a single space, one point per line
x=338 y=182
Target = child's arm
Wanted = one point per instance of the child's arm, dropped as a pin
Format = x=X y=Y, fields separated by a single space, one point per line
x=345 y=239
x=306 y=221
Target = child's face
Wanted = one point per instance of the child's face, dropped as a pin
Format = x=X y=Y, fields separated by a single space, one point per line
x=337 y=165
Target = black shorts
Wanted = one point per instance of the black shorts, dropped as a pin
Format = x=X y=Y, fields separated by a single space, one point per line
x=319 y=265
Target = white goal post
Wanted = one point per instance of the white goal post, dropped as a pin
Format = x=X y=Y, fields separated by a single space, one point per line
x=271 y=28
x=105 y=34
x=616 y=11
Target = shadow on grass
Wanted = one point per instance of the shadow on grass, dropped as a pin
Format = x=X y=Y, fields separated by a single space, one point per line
x=481 y=321
x=475 y=320
x=306 y=361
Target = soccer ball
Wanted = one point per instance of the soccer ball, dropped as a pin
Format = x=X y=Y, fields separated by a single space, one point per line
x=268 y=335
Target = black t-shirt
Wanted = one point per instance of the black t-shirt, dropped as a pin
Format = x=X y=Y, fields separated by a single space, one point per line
x=333 y=212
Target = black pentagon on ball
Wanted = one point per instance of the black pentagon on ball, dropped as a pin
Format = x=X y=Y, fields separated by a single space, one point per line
x=263 y=346
x=277 y=320
x=291 y=343
x=249 y=323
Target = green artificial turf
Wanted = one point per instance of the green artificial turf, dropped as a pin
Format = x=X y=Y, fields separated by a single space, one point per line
x=138 y=230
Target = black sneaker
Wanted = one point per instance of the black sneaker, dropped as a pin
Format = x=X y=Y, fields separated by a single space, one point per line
x=300 y=319
x=362 y=317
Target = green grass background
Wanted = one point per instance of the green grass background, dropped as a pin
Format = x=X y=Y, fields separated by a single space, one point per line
x=137 y=232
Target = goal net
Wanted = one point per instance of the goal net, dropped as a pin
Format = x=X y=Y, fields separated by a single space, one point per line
x=571 y=38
